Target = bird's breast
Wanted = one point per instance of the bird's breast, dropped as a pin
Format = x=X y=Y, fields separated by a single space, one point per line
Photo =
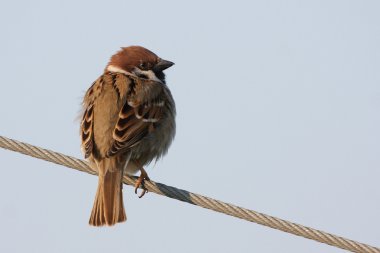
x=160 y=136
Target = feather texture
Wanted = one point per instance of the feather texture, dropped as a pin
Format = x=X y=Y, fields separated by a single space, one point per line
x=128 y=122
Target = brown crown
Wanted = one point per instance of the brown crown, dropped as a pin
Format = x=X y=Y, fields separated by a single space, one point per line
x=130 y=57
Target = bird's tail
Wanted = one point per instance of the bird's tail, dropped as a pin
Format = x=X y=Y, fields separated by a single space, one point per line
x=108 y=206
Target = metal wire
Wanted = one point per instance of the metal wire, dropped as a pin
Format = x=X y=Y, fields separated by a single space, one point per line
x=196 y=199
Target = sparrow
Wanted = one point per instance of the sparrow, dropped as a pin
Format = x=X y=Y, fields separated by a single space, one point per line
x=128 y=121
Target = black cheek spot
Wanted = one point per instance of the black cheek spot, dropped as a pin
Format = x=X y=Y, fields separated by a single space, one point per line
x=143 y=76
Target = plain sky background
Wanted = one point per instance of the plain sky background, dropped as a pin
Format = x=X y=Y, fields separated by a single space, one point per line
x=278 y=111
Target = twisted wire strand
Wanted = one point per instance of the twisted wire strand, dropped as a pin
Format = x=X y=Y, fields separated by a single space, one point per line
x=196 y=199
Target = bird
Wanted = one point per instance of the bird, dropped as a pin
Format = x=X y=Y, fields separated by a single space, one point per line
x=128 y=121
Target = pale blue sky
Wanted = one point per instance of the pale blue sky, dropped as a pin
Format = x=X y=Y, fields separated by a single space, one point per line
x=278 y=111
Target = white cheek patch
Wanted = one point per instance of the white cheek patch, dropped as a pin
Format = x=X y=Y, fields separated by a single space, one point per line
x=148 y=73
x=115 y=69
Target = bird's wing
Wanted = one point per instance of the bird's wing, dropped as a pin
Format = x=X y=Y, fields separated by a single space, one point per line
x=143 y=109
x=87 y=123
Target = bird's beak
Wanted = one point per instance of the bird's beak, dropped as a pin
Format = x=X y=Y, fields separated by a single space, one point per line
x=162 y=65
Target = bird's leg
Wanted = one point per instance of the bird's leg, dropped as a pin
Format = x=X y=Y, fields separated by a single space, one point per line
x=140 y=182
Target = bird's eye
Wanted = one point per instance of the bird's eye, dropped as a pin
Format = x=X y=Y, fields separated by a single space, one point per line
x=143 y=65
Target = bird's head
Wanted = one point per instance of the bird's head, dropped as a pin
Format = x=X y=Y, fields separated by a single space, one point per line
x=140 y=62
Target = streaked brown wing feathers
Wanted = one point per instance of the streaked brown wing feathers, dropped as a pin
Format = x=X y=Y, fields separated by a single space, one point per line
x=87 y=124
x=137 y=116
x=87 y=131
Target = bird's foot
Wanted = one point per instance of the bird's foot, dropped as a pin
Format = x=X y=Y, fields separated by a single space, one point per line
x=140 y=182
